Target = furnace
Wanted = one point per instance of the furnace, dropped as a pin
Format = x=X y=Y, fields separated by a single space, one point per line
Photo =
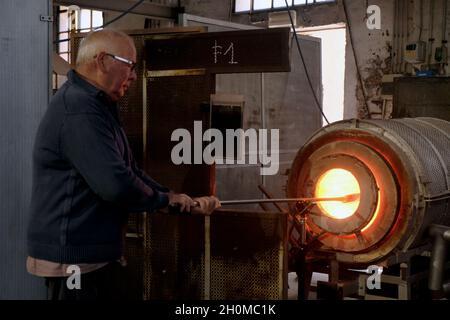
x=397 y=172
x=399 y=168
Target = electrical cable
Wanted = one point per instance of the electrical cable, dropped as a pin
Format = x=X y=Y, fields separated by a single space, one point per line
x=421 y=20
x=319 y=106
x=356 y=60
x=121 y=15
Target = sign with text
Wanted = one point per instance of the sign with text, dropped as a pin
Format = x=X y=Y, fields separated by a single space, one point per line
x=222 y=52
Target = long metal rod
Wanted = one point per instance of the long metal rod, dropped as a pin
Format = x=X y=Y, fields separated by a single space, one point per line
x=349 y=198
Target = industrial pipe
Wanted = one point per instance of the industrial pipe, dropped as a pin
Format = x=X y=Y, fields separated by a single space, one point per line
x=441 y=235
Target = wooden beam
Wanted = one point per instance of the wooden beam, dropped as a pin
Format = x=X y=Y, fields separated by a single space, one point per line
x=151 y=10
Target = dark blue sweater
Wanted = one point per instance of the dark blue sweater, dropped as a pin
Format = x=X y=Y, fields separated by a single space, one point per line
x=85 y=179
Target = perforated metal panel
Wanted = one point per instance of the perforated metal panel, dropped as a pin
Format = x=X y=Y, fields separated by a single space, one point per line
x=429 y=147
x=242 y=256
x=428 y=141
x=176 y=102
x=174 y=257
x=248 y=256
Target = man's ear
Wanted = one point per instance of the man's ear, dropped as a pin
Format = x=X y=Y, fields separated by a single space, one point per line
x=100 y=62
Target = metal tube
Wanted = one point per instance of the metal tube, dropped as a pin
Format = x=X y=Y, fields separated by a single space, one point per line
x=404 y=33
x=395 y=38
x=263 y=123
x=349 y=198
x=431 y=30
x=438 y=255
x=444 y=21
x=402 y=37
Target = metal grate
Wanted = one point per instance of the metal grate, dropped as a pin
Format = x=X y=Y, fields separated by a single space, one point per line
x=177 y=104
x=246 y=256
x=246 y=259
x=429 y=140
x=174 y=257
x=440 y=144
x=417 y=139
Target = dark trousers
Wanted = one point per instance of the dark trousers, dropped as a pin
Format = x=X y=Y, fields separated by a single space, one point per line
x=100 y=284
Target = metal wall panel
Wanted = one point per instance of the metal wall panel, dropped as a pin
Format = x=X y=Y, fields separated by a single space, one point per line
x=24 y=95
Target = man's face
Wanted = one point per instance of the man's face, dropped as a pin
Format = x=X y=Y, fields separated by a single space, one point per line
x=119 y=74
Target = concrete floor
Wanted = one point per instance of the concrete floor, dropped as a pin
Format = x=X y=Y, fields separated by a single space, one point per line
x=293 y=285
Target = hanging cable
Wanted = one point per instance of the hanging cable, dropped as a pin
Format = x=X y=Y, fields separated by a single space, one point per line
x=121 y=15
x=319 y=106
x=109 y=22
x=347 y=19
x=421 y=20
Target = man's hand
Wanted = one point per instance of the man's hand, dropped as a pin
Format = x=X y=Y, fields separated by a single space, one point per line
x=205 y=205
x=182 y=201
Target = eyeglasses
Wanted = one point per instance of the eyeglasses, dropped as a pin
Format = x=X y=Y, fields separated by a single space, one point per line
x=130 y=63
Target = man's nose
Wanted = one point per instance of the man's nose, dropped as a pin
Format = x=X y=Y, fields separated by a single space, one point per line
x=133 y=75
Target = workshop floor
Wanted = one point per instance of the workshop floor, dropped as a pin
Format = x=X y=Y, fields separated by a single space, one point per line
x=293 y=285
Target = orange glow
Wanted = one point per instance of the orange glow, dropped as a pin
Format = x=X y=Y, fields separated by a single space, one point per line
x=375 y=216
x=337 y=183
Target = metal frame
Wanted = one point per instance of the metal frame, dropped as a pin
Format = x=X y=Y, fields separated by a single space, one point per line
x=185 y=18
x=272 y=9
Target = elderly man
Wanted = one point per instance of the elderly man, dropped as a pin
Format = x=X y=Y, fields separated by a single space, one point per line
x=85 y=179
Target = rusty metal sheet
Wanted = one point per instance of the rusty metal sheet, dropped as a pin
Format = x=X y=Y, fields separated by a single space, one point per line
x=422 y=97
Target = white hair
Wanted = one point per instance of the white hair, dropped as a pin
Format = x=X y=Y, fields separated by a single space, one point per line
x=98 y=41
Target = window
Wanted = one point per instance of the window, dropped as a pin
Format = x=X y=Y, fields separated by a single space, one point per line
x=83 y=20
x=244 y=6
x=333 y=42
